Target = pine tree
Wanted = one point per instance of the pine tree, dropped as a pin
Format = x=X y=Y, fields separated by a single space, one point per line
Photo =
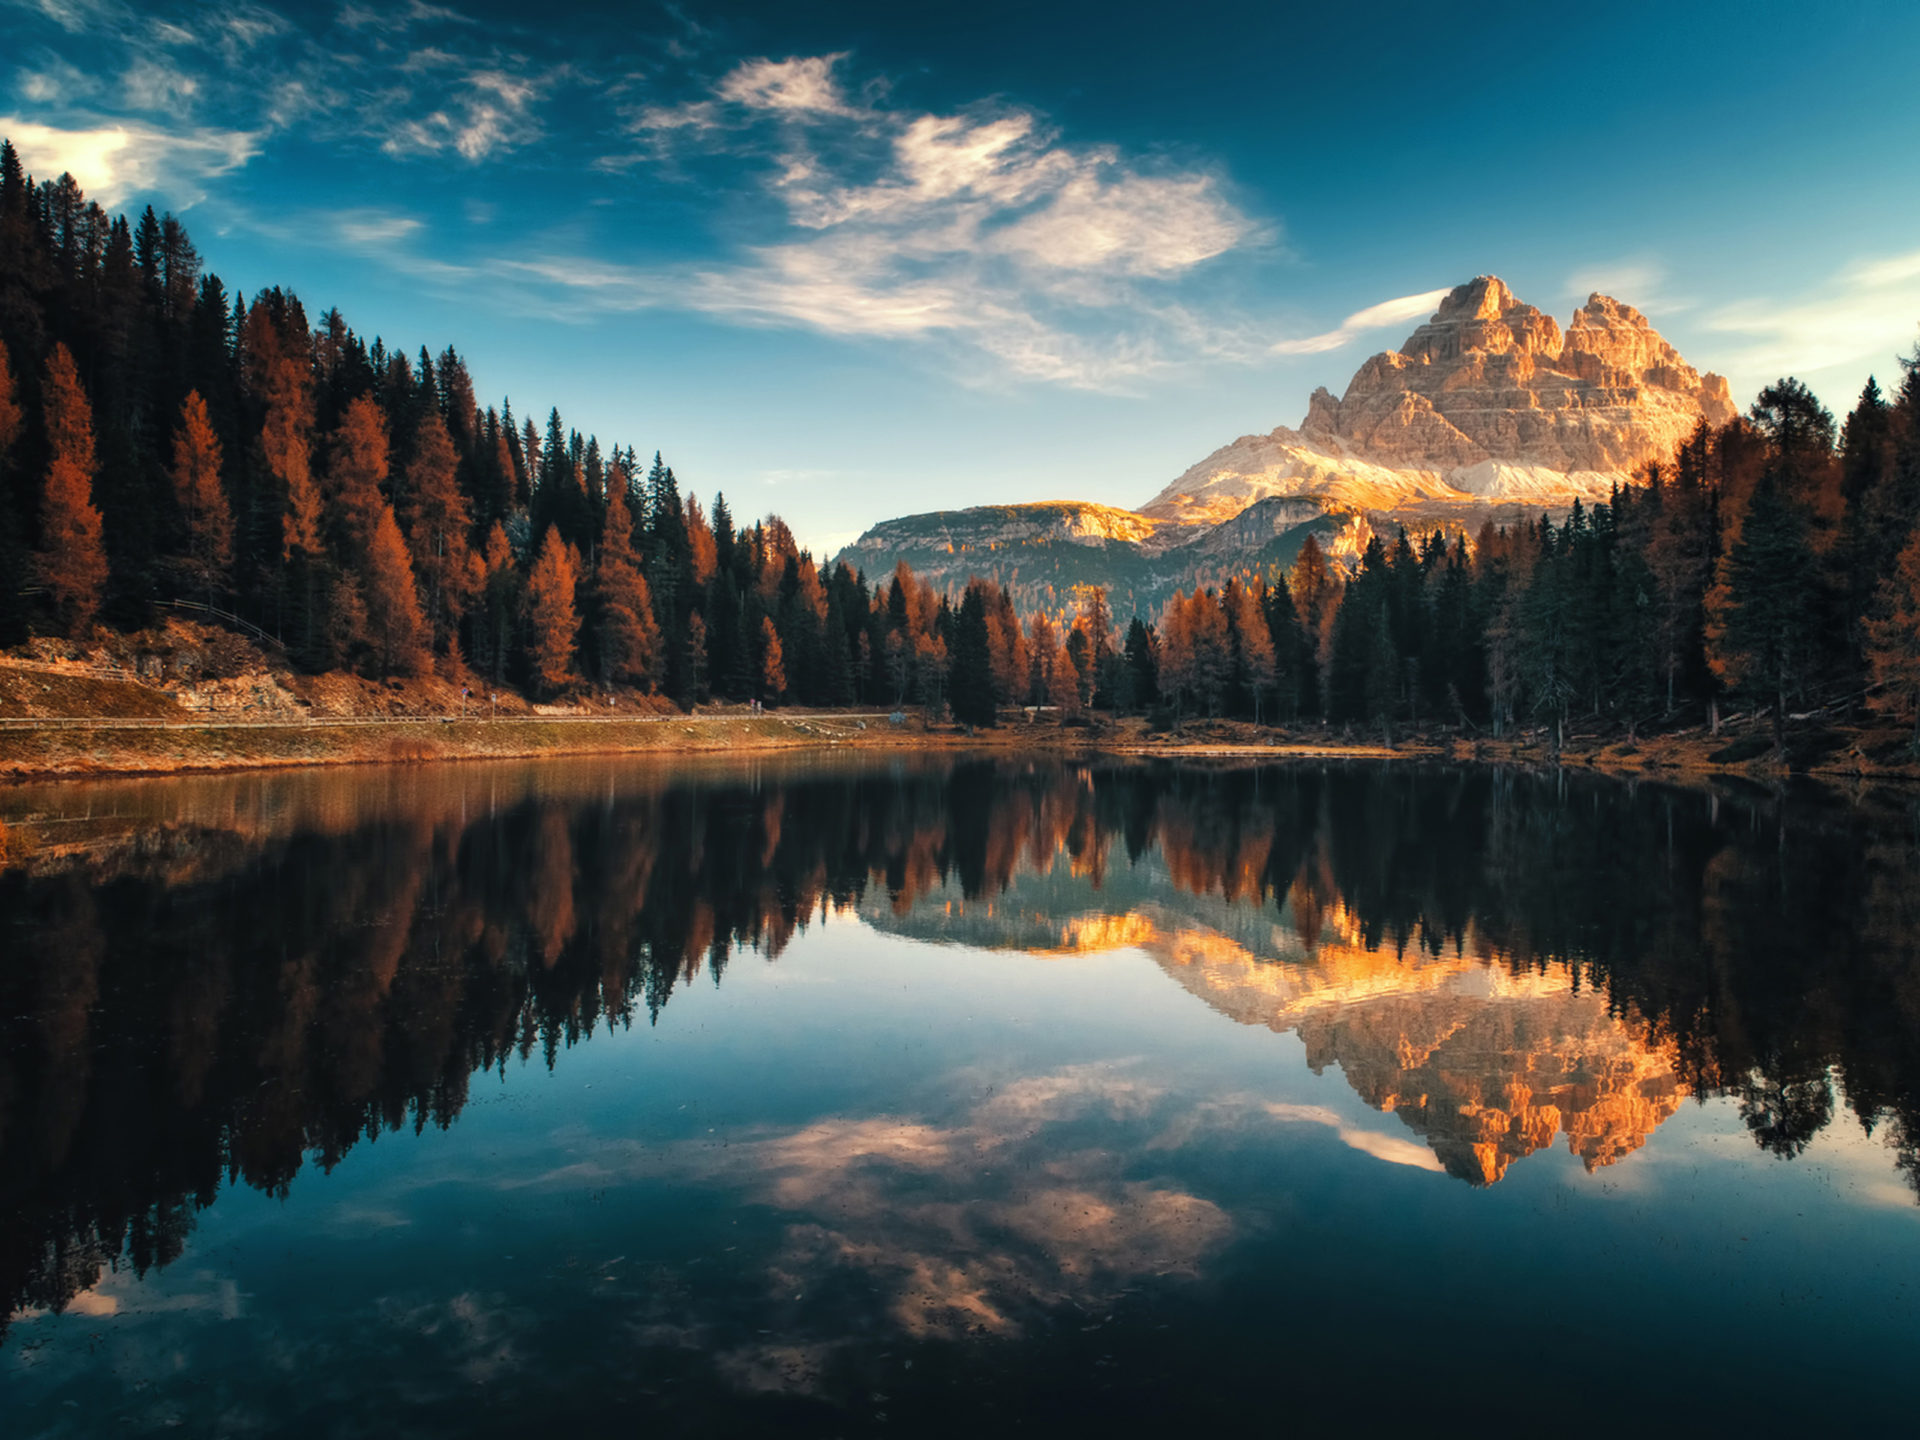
x=501 y=591
x=972 y=683
x=395 y=627
x=628 y=635
x=773 y=669
x=1064 y=681
x=12 y=418
x=1080 y=657
x=697 y=659
x=12 y=422
x=280 y=376
x=1142 y=664
x=1680 y=557
x=553 y=622
x=1316 y=599
x=1763 y=624
x=1893 y=637
x=437 y=522
x=1044 y=653
x=1255 y=667
x=357 y=473
x=73 y=563
x=202 y=498
x=1868 y=479
x=1007 y=645
x=1096 y=622
x=1362 y=670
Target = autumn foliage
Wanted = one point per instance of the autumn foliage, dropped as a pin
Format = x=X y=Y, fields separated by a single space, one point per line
x=73 y=563
x=202 y=500
x=553 y=622
x=629 y=634
x=395 y=627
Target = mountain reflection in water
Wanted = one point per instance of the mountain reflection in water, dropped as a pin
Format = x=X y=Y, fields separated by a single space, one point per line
x=233 y=979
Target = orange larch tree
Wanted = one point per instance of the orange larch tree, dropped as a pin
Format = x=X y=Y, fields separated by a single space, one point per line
x=202 y=499
x=73 y=563
x=357 y=469
x=1252 y=642
x=437 y=524
x=773 y=664
x=283 y=378
x=1007 y=649
x=553 y=621
x=629 y=636
x=394 y=624
x=1044 y=653
x=702 y=549
x=498 y=588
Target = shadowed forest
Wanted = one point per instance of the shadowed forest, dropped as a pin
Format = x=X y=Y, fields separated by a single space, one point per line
x=289 y=965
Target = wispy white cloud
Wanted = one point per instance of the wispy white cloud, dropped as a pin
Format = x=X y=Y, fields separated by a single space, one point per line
x=395 y=19
x=151 y=85
x=1866 y=313
x=491 y=112
x=983 y=234
x=56 y=82
x=803 y=85
x=374 y=227
x=416 y=79
x=113 y=161
x=75 y=17
x=984 y=228
x=1374 y=317
x=1394 y=1149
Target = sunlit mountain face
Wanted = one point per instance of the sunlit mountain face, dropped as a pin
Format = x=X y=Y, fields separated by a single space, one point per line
x=785 y=1075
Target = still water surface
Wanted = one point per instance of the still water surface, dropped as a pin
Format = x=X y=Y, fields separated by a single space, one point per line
x=929 y=1097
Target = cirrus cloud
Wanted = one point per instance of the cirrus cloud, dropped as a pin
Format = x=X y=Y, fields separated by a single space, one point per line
x=983 y=228
x=1374 y=317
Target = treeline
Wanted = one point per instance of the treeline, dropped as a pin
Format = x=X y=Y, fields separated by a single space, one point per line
x=162 y=440
x=1774 y=563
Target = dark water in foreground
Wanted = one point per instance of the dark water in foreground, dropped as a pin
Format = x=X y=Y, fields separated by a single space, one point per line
x=929 y=1098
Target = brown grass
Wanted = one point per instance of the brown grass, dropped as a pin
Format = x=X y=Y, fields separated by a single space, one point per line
x=399 y=750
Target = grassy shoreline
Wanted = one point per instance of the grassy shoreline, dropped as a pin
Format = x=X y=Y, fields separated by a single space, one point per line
x=79 y=749
x=48 y=749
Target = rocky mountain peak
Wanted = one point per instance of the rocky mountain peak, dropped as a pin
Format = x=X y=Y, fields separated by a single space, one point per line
x=1491 y=378
x=1488 y=410
x=1481 y=317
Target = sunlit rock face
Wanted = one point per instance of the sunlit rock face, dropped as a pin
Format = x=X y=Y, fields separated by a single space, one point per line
x=1491 y=379
x=1488 y=403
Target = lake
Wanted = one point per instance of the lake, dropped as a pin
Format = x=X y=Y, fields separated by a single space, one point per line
x=844 y=1095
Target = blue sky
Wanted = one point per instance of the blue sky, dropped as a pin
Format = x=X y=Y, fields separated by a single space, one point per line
x=847 y=261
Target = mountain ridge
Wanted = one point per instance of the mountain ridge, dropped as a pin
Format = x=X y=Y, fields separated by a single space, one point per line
x=1489 y=410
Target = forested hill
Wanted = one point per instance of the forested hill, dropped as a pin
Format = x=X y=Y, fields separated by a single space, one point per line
x=162 y=439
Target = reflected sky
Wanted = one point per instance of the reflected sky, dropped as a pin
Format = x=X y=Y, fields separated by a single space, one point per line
x=844 y=1098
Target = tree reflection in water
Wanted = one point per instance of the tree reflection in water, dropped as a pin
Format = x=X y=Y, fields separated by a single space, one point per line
x=229 y=979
